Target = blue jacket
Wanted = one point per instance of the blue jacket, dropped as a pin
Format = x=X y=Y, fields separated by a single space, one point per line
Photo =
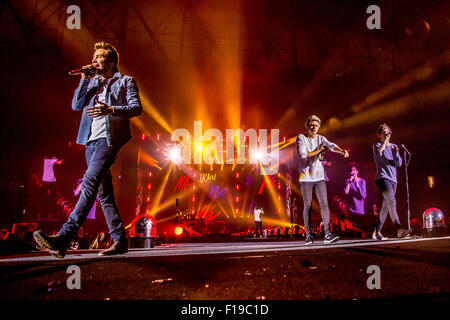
x=122 y=94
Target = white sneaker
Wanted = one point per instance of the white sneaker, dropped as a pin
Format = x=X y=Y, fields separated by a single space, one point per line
x=378 y=236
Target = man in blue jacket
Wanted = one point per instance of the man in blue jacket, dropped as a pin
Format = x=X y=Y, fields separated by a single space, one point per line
x=107 y=100
x=387 y=159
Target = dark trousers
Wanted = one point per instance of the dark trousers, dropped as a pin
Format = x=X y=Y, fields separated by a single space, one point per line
x=320 y=188
x=258 y=227
x=96 y=181
x=388 y=189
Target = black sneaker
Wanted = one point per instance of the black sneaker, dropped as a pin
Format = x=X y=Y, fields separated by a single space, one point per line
x=55 y=244
x=118 y=247
x=330 y=238
x=401 y=233
x=308 y=241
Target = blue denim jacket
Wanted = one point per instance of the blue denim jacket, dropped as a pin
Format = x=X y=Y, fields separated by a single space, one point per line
x=122 y=94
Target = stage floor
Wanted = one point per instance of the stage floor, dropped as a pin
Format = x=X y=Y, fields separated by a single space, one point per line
x=276 y=270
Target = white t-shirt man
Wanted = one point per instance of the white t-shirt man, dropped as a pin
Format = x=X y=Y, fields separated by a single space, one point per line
x=311 y=169
x=257 y=213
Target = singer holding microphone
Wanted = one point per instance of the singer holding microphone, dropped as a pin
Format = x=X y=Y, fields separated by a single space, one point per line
x=107 y=100
x=311 y=148
x=387 y=159
x=355 y=187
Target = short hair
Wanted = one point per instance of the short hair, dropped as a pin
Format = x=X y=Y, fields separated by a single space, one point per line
x=113 y=53
x=382 y=127
x=311 y=119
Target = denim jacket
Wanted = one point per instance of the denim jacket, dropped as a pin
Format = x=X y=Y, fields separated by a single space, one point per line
x=122 y=94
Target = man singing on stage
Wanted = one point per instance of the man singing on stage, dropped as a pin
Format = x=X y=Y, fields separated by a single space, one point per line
x=387 y=159
x=355 y=189
x=107 y=100
x=311 y=147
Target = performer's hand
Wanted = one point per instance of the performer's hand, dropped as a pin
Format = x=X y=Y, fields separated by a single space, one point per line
x=91 y=74
x=323 y=149
x=346 y=154
x=395 y=147
x=100 y=109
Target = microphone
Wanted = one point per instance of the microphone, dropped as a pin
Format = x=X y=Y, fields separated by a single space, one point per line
x=404 y=148
x=91 y=68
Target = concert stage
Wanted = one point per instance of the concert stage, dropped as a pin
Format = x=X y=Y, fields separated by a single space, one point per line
x=221 y=122
x=249 y=270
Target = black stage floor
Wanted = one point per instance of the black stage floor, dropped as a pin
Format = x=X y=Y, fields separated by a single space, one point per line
x=246 y=270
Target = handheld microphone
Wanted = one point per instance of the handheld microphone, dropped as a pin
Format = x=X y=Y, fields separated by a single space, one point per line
x=90 y=69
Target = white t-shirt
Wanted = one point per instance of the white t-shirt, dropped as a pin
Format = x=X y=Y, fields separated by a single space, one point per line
x=257 y=213
x=311 y=169
x=98 y=126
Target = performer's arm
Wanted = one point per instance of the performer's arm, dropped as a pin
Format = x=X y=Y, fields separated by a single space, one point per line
x=79 y=100
x=362 y=188
x=383 y=146
x=133 y=107
x=347 y=186
x=396 y=155
x=301 y=148
x=316 y=152
x=335 y=148
x=345 y=153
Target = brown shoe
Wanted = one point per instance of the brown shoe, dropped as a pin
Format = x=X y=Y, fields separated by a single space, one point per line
x=55 y=244
x=118 y=247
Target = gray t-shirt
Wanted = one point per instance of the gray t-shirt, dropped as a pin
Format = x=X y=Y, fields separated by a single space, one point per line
x=311 y=169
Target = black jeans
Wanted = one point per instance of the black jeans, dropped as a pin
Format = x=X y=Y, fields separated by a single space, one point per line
x=258 y=227
x=387 y=189
x=320 y=189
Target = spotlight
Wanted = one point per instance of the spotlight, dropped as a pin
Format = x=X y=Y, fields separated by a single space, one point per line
x=257 y=156
x=261 y=157
x=178 y=231
x=143 y=231
x=174 y=155
x=434 y=223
